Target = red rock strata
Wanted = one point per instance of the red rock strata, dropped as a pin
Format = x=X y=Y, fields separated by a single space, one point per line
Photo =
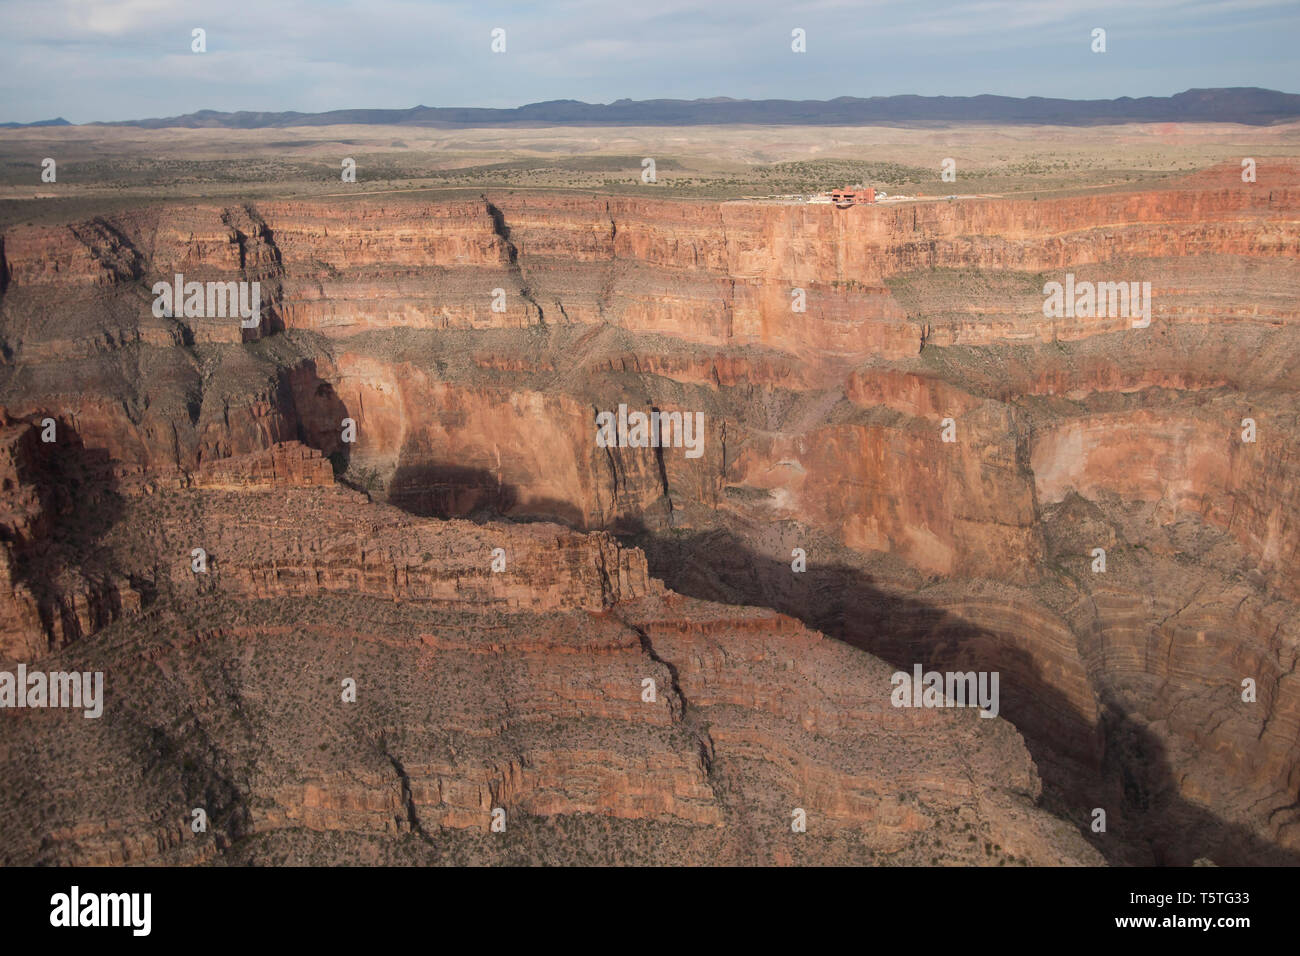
x=823 y=432
x=522 y=689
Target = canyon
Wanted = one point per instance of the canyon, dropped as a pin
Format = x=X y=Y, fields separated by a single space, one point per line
x=475 y=443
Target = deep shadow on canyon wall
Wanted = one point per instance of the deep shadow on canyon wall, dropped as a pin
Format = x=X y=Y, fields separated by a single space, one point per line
x=77 y=501
x=318 y=414
x=1118 y=765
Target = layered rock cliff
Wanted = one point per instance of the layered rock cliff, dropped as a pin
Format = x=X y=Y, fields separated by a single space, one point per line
x=340 y=681
x=947 y=456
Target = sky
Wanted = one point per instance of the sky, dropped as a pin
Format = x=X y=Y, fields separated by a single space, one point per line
x=88 y=60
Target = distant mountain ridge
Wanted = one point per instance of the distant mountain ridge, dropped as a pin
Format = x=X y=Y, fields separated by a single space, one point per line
x=1249 y=105
x=59 y=121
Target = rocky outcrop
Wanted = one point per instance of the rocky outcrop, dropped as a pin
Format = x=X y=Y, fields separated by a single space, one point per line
x=55 y=593
x=342 y=668
x=290 y=464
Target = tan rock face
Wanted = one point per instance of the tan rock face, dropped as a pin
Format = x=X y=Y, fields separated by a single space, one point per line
x=824 y=431
x=1187 y=462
